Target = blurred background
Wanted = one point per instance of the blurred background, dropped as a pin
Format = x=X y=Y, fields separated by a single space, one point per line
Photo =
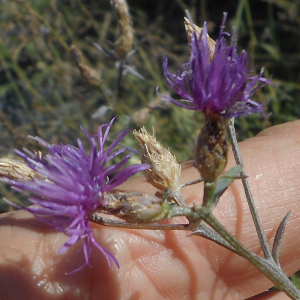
x=60 y=66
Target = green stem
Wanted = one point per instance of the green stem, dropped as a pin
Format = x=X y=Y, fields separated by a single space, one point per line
x=248 y=194
x=267 y=266
x=209 y=192
x=98 y=219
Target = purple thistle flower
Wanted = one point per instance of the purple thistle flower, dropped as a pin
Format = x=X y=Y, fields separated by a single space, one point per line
x=72 y=186
x=223 y=86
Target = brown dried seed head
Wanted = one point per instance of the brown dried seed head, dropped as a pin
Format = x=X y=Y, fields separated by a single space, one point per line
x=125 y=41
x=191 y=28
x=165 y=172
x=16 y=170
x=89 y=75
x=212 y=147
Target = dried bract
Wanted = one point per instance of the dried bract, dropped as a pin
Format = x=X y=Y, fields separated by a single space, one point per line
x=125 y=41
x=223 y=85
x=16 y=170
x=135 y=207
x=191 y=28
x=165 y=172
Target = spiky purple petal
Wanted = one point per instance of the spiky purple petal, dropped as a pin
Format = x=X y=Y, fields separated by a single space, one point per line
x=72 y=185
x=223 y=86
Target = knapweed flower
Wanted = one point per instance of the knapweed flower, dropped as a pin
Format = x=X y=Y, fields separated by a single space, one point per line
x=222 y=85
x=72 y=184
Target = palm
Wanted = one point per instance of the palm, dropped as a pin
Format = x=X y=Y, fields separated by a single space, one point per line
x=164 y=265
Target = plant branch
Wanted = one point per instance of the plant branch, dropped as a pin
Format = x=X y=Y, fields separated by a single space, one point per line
x=267 y=266
x=203 y=230
x=249 y=197
x=98 y=219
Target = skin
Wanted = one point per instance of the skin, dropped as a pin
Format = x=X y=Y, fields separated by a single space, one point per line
x=167 y=265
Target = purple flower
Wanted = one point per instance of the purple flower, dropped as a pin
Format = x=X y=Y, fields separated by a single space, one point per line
x=72 y=185
x=223 y=86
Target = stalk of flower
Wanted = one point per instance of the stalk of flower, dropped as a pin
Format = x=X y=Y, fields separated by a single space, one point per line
x=221 y=88
x=75 y=186
x=229 y=95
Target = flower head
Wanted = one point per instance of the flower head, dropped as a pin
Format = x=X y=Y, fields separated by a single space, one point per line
x=222 y=85
x=165 y=172
x=72 y=184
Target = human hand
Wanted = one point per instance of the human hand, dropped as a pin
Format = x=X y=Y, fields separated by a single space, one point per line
x=166 y=265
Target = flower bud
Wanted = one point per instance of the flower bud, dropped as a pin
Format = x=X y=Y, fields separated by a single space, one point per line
x=212 y=147
x=165 y=172
x=135 y=207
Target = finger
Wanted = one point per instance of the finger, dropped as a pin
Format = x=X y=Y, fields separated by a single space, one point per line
x=170 y=264
x=271 y=161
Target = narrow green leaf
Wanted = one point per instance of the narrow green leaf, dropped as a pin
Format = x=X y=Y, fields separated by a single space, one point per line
x=225 y=180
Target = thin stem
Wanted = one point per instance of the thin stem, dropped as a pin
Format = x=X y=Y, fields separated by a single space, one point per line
x=177 y=197
x=96 y=218
x=209 y=192
x=120 y=74
x=192 y=182
x=267 y=266
x=249 y=197
x=203 y=230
